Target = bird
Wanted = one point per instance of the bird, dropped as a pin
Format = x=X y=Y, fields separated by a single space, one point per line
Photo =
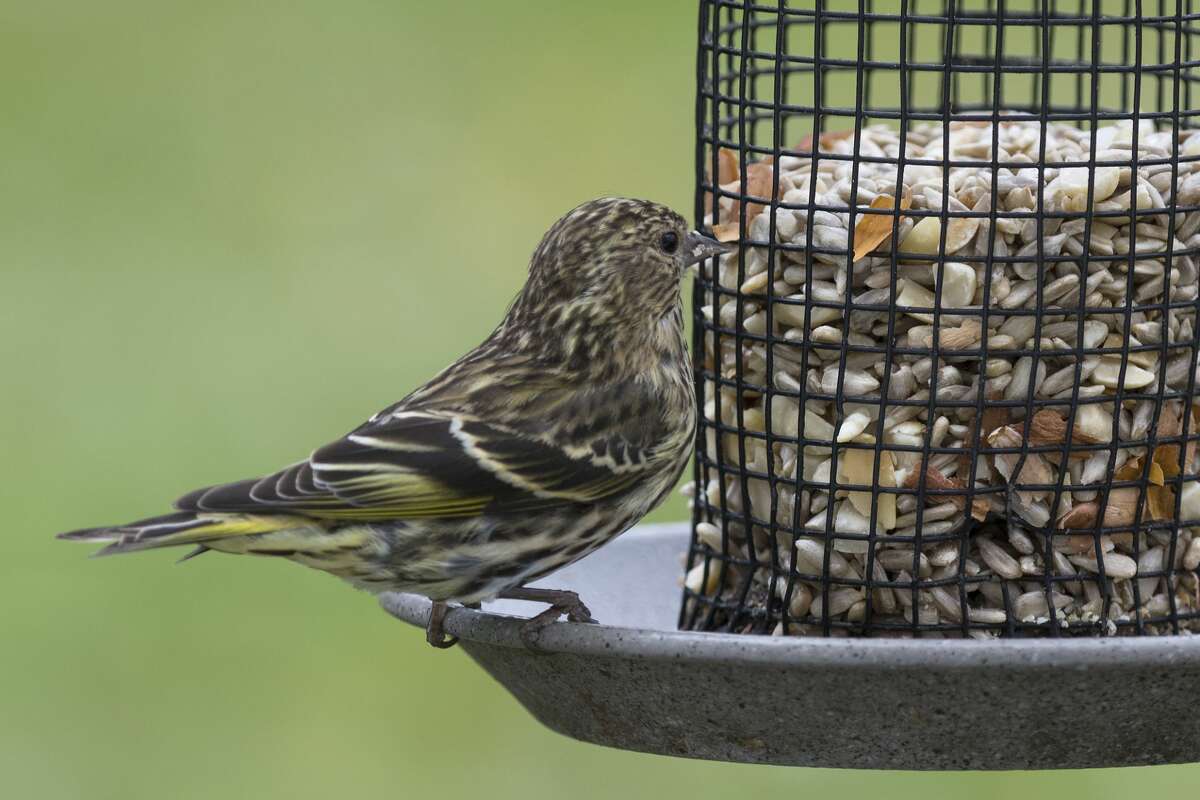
x=571 y=421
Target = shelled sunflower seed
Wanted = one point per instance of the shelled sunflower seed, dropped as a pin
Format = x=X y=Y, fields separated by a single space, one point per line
x=947 y=423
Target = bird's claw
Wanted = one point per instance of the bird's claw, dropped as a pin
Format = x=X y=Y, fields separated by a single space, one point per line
x=435 y=634
x=563 y=603
x=441 y=640
x=578 y=612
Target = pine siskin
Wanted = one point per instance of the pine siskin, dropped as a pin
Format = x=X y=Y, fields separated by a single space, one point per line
x=556 y=434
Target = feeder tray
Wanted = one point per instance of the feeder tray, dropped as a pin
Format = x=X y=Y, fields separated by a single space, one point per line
x=635 y=682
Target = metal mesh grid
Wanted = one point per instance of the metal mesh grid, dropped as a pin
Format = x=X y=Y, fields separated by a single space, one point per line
x=781 y=87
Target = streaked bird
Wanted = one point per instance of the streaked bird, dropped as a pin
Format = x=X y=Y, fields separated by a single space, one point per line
x=570 y=422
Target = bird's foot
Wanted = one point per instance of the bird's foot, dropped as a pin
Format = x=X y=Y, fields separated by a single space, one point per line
x=434 y=633
x=562 y=602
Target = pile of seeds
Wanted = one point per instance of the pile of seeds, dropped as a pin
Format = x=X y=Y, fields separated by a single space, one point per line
x=976 y=445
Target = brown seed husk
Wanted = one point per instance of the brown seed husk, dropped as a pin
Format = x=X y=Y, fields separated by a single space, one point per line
x=1160 y=500
x=727 y=173
x=993 y=417
x=872 y=229
x=1122 y=503
x=727 y=166
x=1120 y=509
x=1047 y=428
x=960 y=338
x=726 y=232
x=1082 y=515
x=934 y=479
x=760 y=182
x=1050 y=428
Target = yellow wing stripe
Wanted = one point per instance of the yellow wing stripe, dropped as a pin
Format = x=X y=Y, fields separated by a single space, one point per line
x=222 y=525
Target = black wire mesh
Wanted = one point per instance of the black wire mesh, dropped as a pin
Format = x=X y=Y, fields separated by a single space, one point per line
x=1026 y=511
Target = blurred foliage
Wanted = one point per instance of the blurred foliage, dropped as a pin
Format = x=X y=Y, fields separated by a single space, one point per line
x=231 y=231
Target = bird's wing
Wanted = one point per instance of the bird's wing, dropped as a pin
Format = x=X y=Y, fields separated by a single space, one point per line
x=427 y=463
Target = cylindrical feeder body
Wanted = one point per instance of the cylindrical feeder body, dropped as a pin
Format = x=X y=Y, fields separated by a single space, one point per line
x=948 y=379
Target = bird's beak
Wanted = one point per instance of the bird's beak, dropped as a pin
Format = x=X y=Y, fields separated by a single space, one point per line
x=699 y=247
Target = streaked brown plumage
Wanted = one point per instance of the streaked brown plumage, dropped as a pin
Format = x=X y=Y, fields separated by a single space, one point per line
x=560 y=431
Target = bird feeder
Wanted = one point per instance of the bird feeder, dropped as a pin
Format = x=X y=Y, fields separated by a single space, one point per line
x=949 y=377
x=945 y=478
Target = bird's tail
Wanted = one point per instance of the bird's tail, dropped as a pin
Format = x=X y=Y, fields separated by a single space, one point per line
x=206 y=530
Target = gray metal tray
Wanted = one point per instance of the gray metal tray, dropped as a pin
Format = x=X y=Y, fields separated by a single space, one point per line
x=634 y=682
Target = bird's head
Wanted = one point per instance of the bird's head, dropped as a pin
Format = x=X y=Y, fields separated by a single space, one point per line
x=609 y=268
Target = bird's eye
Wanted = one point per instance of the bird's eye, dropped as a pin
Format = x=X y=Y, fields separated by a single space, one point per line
x=669 y=242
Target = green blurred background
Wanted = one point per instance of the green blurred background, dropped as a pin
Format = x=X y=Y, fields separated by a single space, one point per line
x=231 y=231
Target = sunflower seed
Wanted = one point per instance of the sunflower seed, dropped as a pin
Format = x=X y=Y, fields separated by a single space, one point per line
x=997 y=559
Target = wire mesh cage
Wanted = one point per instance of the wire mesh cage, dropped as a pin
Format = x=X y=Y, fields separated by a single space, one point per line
x=947 y=378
